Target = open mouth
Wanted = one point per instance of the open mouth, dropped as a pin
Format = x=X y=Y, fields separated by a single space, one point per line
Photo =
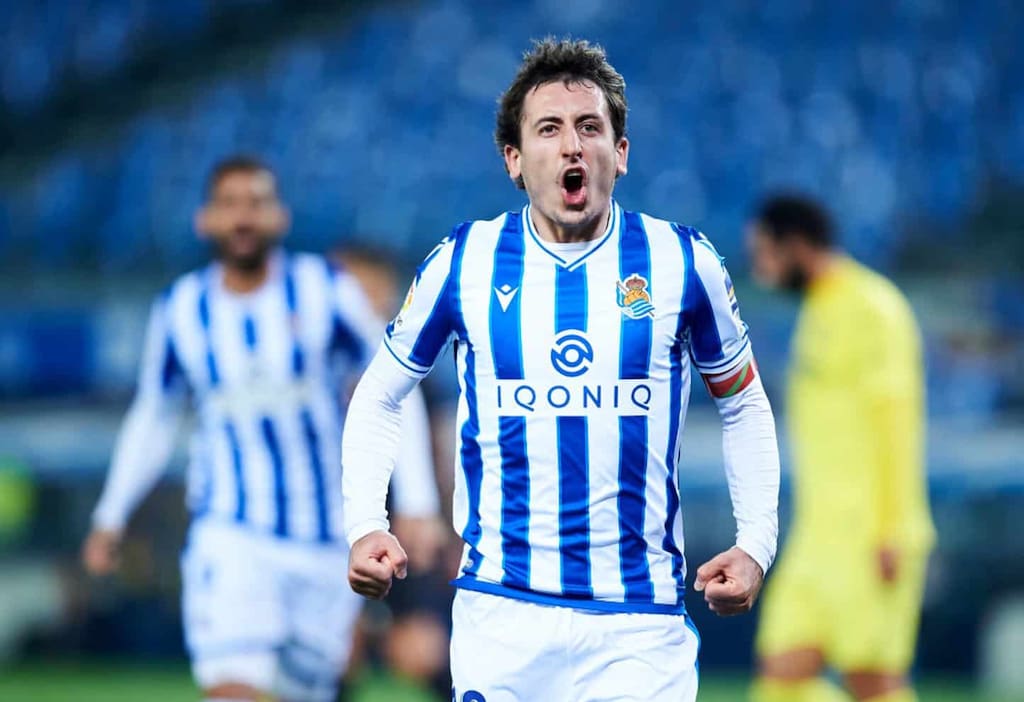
x=573 y=180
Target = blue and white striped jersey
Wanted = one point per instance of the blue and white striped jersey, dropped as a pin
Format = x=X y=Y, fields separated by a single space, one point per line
x=267 y=373
x=574 y=369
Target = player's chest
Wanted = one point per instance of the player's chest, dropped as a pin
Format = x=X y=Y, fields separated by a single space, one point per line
x=824 y=348
x=545 y=319
x=261 y=345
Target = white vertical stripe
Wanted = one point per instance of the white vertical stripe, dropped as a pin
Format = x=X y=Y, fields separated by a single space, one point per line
x=537 y=337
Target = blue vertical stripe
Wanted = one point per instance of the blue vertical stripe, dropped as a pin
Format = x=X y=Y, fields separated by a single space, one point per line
x=292 y=323
x=250 y=332
x=701 y=327
x=323 y=526
x=277 y=463
x=309 y=432
x=236 y=464
x=571 y=298
x=234 y=445
x=445 y=315
x=574 y=506
x=171 y=369
x=672 y=451
x=505 y=324
x=470 y=455
x=634 y=363
x=507 y=352
x=515 y=501
x=204 y=320
x=343 y=338
x=573 y=450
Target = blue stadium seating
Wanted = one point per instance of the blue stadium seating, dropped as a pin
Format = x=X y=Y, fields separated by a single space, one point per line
x=892 y=111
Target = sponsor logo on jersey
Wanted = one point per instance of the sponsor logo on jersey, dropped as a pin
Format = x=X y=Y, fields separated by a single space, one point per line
x=572 y=355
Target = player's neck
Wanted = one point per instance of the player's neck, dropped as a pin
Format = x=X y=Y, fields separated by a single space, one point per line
x=245 y=280
x=552 y=231
x=820 y=264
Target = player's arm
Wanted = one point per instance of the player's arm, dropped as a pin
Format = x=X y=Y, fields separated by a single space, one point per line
x=144 y=444
x=721 y=352
x=893 y=368
x=374 y=423
x=414 y=487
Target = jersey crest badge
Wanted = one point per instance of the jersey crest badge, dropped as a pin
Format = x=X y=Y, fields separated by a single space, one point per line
x=633 y=297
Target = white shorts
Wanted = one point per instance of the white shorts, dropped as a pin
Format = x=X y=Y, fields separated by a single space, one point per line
x=273 y=614
x=506 y=650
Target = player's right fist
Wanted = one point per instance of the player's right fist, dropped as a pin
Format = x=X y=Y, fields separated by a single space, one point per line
x=101 y=552
x=374 y=560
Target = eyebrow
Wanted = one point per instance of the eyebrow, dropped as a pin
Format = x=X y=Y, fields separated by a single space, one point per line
x=582 y=118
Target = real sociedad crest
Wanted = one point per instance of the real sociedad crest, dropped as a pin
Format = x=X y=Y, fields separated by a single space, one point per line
x=633 y=297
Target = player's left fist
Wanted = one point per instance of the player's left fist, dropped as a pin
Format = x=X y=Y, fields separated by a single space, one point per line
x=374 y=560
x=730 y=582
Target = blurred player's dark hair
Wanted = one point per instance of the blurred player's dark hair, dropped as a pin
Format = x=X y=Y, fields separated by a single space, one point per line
x=792 y=215
x=236 y=163
x=567 y=60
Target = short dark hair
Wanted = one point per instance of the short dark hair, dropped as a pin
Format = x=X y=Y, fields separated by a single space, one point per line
x=236 y=163
x=568 y=60
x=793 y=215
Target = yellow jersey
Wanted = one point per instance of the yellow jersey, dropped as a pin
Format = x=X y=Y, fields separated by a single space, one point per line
x=856 y=416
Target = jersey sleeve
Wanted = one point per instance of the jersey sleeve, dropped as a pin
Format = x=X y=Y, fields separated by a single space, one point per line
x=355 y=329
x=146 y=439
x=892 y=378
x=717 y=335
x=426 y=322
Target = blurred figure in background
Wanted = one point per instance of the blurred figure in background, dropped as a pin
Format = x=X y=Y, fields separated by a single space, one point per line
x=847 y=591
x=267 y=344
x=415 y=643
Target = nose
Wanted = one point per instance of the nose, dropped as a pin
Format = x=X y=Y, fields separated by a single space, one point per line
x=571 y=144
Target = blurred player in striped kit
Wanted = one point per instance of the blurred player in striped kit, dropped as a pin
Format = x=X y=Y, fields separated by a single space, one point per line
x=847 y=591
x=267 y=344
x=573 y=324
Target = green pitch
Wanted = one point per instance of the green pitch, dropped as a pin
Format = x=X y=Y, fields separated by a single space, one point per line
x=67 y=682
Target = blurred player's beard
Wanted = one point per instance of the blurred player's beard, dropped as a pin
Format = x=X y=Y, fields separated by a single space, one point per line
x=252 y=258
x=795 y=279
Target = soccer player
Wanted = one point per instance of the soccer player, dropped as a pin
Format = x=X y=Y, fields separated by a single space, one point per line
x=573 y=324
x=266 y=343
x=847 y=592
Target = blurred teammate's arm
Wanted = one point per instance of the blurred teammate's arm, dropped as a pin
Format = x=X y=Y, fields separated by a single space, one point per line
x=721 y=351
x=415 y=497
x=144 y=444
x=895 y=396
x=374 y=425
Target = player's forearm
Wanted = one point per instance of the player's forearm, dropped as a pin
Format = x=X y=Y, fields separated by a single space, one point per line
x=414 y=484
x=143 y=449
x=370 y=445
x=752 y=467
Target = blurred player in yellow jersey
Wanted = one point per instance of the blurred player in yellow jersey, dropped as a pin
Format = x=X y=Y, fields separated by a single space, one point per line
x=847 y=591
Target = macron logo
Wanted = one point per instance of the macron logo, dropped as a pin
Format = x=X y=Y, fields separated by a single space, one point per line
x=505 y=295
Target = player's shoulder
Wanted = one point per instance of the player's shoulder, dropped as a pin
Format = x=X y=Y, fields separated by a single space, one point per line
x=697 y=246
x=491 y=228
x=186 y=289
x=482 y=231
x=879 y=295
x=315 y=266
